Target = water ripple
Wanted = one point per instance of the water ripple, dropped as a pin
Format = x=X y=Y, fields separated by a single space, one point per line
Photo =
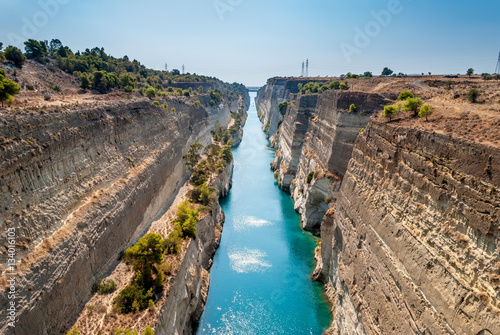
x=246 y=222
x=249 y=260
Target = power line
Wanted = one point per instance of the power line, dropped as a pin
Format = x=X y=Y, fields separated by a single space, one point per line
x=497 y=69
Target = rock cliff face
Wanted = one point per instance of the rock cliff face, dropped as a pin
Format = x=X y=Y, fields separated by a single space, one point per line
x=268 y=98
x=413 y=246
x=409 y=219
x=79 y=186
x=188 y=295
x=314 y=145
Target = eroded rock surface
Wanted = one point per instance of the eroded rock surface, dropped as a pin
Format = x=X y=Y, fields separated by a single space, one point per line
x=81 y=185
x=409 y=218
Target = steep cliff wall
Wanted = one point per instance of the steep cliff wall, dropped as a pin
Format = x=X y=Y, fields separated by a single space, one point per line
x=314 y=145
x=79 y=186
x=268 y=98
x=409 y=218
x=413 y=246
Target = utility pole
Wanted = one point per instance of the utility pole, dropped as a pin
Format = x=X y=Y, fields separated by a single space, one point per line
x=497 y=69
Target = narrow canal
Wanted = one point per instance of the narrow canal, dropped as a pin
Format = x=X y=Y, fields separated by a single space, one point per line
x=260 y=279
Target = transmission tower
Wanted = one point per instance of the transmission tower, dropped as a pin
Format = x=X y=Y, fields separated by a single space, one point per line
x=497 y=69
x=183 y=69
x=166 y=67
x=302 y=73
x=307 y=67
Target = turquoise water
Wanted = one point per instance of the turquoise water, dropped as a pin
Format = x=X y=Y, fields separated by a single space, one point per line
x=260 y=279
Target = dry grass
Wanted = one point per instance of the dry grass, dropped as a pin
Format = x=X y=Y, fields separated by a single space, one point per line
x=453 y=115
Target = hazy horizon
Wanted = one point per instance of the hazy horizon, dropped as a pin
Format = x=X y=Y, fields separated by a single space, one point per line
x=251 y=41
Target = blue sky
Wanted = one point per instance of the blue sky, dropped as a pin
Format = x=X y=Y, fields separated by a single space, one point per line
x=249 y=41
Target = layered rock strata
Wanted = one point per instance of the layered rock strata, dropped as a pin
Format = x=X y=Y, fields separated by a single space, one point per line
x=413 y=246
x=271 y=95
x=314 y=144
x=409 y=218
x=78 y=187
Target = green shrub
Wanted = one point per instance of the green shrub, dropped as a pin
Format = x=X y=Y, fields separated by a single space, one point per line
x=282 y=106
x=334 y=85
x=156 y=103
x=208 y=194
x=193 y=156
x=227 y=152
x=472 y=95
x=310 y=177
x=352 y=108
x=172 y=245
x=15 y=55
x=187 y=218
x=425 y=111
x=106 y=286
x=143 y=255
x=199 y=175
x=55 y=87
x=8 y=89
x=133 y=299
x=148 y=330
x=73 y=331
x=85 y=81
x=387 y=72
x=412 y=105
x=148 y=250
x=150 y=92
x=405 y=95
x=120 y=331
x=215 y=96
x=30 y=87
x=127 y=82
x=389 y=111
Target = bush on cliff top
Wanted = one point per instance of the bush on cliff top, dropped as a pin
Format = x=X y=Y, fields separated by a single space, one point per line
x=412 y=105
x=316 y=87
x=425 y=111
x=404 y=95
x=8 y=89
x=389 y=112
